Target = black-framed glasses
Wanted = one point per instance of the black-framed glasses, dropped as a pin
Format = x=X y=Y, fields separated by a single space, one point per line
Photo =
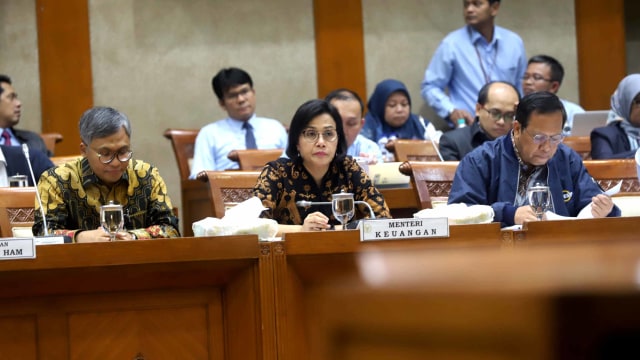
x=123 y=155
x=236 y=94
x=535 y=77
x=496 y=115
x=540 y=139
x=312 y=135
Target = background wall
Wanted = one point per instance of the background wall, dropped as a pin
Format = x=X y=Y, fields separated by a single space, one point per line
x=154 y=59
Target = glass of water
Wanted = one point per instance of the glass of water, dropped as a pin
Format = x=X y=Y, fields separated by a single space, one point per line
x=112 y=219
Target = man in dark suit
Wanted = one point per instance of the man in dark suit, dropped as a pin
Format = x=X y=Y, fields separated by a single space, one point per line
x=10 y=112
x=495 y=111
x=16 y=163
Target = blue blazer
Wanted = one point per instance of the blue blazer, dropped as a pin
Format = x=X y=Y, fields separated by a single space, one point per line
x=610 y=142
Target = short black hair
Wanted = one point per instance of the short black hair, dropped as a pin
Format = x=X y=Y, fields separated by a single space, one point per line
x=493 y=1
x=301 y=119
x=483 y=95
x=345 y=94
x=227 y=78
x=4 y=79
x=541 y=102
x=557 y=71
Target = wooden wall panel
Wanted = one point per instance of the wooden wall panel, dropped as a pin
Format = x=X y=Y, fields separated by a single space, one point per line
x=66 y=83
x=601 y=50
x=339 y=46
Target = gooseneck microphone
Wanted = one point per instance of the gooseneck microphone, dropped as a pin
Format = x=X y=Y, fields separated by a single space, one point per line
x=305 y=203
x=25 y=150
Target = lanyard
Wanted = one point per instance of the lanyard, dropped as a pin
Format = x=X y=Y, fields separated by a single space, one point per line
x=487 y=76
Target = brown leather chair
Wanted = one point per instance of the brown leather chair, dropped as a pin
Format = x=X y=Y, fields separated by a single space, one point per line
x=50 y=140
x=414 y=150
x=580 y=144
x=228 y=188
x=17 y=206
x=254 y=159
x=431 y=180
x=609 y=173
x=183 y=142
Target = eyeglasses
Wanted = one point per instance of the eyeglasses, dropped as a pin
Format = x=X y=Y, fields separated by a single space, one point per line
x=311 y=135
x=236 y=95
x=123 y=155
x=496 y=115
x=540 y=139
x=535 y=77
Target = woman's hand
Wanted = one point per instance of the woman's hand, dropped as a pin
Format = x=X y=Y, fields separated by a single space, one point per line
x=316 y=221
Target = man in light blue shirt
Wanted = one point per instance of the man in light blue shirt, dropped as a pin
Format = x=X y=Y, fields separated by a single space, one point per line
x=469 y=58
x=351 y=107
x=545 y=73
x=242 y=129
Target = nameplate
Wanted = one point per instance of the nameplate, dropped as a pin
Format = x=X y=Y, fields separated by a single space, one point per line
x=49 y=240
x=17 y=248
x=399 y=229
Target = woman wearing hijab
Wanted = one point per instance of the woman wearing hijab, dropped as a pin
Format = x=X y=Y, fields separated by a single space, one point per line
x=390 y=116
x=620 y=139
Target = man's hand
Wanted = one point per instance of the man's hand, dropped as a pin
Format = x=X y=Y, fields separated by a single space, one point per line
x=97 y=235
x=601 y=205
x=461 y=114
x=371 y=160
x=525 y=214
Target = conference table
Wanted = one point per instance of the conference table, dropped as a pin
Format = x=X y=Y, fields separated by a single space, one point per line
x=234 y=297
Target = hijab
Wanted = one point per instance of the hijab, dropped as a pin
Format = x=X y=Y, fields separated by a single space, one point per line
x=621 y=102
x=374 y=120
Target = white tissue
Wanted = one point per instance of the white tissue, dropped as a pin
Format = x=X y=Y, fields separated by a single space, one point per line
x=240 y=219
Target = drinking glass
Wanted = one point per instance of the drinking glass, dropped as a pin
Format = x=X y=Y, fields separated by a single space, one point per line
x=342 y=205
x=112 y=219
x=539 y=198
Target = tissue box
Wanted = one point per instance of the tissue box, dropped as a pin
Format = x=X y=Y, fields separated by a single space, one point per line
x=264 y=228
x=459 y=214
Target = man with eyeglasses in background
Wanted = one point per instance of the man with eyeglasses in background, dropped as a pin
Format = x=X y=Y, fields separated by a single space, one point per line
x=72 y=193
x=545 y=73
x=499 y=172
x=495 y=111
x=236 y=95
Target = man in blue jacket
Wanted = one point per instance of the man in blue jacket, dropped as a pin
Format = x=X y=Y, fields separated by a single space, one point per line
x=499 y=172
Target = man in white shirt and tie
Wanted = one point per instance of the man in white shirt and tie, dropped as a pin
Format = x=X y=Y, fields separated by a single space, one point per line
x=242 y=129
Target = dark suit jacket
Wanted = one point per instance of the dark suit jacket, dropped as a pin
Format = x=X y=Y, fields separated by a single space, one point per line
x=32 y=139
x=610 y=142
x=17 y=163
x=455 y=144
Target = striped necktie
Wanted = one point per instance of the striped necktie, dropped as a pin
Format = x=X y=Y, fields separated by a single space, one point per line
x=7 y=138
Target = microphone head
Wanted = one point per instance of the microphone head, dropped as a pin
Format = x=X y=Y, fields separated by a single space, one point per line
x=25 y=149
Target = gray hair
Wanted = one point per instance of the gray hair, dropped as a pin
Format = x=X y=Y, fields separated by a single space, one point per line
x=100 y=122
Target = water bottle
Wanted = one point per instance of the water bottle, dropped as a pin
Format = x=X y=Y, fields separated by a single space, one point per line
x=381 y=143
x=462 y=123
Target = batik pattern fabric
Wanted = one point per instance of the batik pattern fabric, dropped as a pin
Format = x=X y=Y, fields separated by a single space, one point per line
x=72 y=195
x=284 y=182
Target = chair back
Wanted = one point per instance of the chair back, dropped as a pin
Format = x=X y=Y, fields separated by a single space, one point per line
x=183 y=142
x=50 y=140
x=431 y=180
x=254 y=159
x=580 y=144
x=228 y=188
x=415 y=150
x=609 y=173
x=17 y=206
x=59 y=160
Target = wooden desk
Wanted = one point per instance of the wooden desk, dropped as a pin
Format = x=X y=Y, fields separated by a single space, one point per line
x=196 y=298
x=197 y=204
x=579 y=230
x=564 y=301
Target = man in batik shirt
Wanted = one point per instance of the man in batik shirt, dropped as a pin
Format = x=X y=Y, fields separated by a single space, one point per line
x=73 y=193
